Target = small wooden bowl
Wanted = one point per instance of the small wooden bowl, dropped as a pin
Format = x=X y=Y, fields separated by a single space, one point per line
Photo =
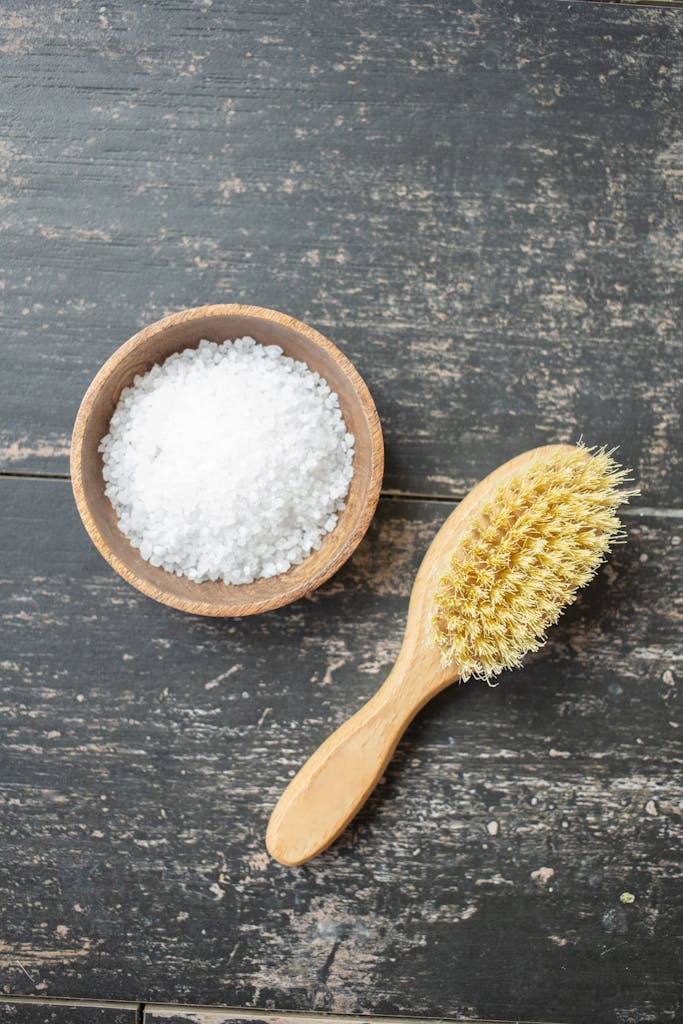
x=185 y=330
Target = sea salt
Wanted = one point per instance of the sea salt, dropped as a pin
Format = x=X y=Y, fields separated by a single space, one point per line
x=227 y=462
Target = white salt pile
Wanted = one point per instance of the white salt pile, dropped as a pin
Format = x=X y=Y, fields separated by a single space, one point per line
x=227 y=462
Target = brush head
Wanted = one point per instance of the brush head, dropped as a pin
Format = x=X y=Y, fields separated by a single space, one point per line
x=528 y=548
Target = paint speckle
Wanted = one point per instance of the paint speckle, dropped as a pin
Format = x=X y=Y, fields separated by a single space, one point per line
x=614 y=922
x=312 y=257
x=232 y=187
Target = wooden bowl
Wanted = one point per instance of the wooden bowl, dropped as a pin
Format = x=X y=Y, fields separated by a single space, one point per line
x=185 y=330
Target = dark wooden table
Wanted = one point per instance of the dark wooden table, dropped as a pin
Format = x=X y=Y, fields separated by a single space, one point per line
x=481 y=204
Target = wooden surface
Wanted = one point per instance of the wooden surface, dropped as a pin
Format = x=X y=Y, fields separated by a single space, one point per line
x=65 y=1013
x=159 y=1014
x=481 y=205
x=144 y=750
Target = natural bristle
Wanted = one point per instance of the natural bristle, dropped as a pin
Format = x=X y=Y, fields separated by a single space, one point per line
x=528 y=549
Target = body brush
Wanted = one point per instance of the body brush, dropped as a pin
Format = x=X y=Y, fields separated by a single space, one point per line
x=499 y=571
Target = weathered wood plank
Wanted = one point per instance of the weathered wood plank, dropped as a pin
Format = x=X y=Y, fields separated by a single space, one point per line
x=65 y=1013
x=481 y=205
x=165 y=1014
x=143 y=750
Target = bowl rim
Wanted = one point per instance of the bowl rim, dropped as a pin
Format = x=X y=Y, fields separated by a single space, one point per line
x=339 y=555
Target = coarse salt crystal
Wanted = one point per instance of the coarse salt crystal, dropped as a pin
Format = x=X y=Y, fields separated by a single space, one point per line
x=227 y=462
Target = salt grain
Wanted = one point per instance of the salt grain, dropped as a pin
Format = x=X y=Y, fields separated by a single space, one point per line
x=227 y=462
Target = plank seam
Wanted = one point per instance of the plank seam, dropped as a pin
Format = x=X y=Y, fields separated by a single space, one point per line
x=662 y=4
x=288 y=1016
x=252 y=1013
x=96 y=1004
x=633 y=511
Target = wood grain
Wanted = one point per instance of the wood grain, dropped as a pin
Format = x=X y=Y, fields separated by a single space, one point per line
x=65 y=1013
x=160 y=1014
x=481 y=207
x=143 y=751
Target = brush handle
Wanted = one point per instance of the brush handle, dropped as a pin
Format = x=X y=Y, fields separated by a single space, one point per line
x=338 y=778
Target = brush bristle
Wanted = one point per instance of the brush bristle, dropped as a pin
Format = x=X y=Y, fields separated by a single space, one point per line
x=530 y=547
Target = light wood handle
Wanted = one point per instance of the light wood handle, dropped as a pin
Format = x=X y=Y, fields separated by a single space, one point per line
x=337 y=779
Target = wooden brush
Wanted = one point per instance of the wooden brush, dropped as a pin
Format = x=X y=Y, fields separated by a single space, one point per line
x=499 y=571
